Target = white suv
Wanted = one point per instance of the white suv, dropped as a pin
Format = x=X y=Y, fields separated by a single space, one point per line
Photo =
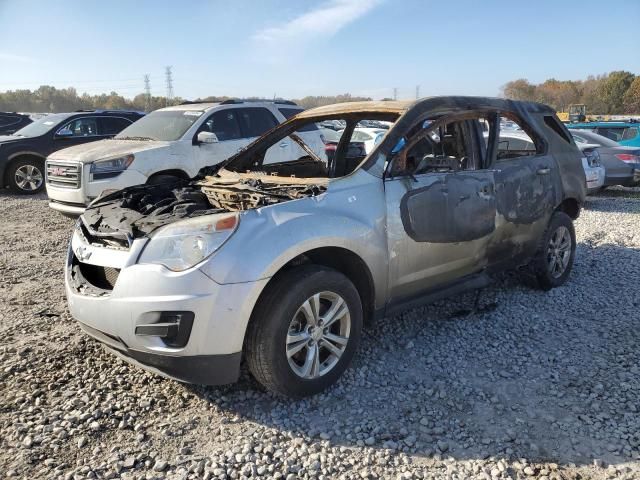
x=170 y=142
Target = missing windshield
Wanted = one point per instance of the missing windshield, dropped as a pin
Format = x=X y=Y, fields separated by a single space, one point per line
x=315 y=147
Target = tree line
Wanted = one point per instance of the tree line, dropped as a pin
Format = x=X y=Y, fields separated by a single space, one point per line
x=54 y=100
x=614 y=93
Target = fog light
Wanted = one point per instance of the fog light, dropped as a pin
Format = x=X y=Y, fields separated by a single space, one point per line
x=174 y=328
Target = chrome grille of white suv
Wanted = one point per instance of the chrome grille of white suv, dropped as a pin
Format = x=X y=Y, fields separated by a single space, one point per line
x=65 y=175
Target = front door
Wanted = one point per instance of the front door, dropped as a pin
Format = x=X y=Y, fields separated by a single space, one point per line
x=441 y=209
x=226 y=125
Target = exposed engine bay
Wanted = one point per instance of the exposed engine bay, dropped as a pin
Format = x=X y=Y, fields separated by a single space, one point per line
x=136 y=211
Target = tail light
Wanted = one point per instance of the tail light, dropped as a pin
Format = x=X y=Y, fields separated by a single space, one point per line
x=628 y=158
x=330 y=147
x=593 y=157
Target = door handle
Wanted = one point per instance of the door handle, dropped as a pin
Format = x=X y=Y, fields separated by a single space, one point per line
x=283 y=145
x=544 y=171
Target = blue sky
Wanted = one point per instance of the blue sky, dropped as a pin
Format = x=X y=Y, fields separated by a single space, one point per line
x=297 y=48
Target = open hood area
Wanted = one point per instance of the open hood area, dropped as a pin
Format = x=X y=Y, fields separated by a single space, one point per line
x=137 y=211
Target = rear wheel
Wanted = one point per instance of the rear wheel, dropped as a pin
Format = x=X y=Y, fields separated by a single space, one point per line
x=556 y=252
x=304 y=331
x=26 y=176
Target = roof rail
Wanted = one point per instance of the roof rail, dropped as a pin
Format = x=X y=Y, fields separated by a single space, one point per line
x=233 y=101
x=108 y=111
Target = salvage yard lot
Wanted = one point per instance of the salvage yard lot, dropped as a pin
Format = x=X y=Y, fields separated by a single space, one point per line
x=520 y=383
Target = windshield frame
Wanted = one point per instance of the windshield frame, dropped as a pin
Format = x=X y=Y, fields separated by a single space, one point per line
x=242 y=161
x=152 y=116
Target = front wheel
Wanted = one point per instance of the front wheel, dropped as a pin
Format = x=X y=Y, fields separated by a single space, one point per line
x=26 y=176
x=304 y=331
x=556 y=252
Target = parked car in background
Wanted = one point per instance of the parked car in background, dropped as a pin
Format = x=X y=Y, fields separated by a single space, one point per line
x=369 y=136
x=516 y=140
x=356 y=150
x=594 y=171
x=625 y=133
x=23 y=153
x=622 y=164
x=11 y=122
x=283 y=263
x=169 y=143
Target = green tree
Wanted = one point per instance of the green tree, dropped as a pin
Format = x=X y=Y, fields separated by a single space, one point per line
x=519 y=89
x=611 y=91
x=631 y=98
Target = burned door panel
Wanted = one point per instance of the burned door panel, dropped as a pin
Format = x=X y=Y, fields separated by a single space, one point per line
x=524 y=188
x=456 y=208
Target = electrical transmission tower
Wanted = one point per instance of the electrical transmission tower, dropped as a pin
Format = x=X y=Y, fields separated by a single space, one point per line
x=147 y=93
x=169 y=80
x=395 y=93
x=417 y=92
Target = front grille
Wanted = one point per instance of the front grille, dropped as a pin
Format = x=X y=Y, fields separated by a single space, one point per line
x=65 y=175
x=103 y=278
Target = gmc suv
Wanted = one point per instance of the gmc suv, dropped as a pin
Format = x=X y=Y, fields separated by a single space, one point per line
x=169 y=143
x=283 y=263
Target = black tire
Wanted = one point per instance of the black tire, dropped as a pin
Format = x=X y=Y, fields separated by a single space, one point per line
x=265 y=345
x=21 y=164
x=546 y=274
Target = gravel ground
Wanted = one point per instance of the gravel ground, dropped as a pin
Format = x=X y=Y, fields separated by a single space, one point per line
x=524 y=385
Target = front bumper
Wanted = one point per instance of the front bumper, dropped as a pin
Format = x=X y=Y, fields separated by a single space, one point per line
x=595 y=177
x=142 y=294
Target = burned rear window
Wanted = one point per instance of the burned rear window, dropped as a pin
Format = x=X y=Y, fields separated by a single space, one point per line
x=557 y=127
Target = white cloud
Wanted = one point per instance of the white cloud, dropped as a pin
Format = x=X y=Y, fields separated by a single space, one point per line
x=322 y=22
x=10 y=57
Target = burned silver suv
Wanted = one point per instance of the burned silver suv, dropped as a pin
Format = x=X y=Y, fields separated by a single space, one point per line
x=282 y=264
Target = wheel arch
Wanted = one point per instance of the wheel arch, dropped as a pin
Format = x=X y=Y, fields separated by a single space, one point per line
x=14 y=157
x=343 y=260
x=176 y=172
x=571 y=207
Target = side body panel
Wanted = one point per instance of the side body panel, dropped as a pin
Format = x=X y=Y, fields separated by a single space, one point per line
x=350 y=215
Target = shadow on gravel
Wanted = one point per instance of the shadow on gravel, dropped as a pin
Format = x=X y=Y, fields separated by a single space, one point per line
x=547 y=376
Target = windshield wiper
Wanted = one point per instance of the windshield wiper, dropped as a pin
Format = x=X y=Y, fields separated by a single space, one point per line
x=134 y=138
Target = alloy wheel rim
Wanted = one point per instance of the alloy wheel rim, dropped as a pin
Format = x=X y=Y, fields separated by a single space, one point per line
x=559 y=252
x=318 y=335
x=28 y=178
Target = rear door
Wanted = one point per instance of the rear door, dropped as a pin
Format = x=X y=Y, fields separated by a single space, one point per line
x=525 y=174
x=441 y=209
x=255 y=122
x=110 y=126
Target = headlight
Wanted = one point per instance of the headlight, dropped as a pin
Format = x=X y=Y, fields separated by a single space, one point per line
x=186 y=243
x=110 y=167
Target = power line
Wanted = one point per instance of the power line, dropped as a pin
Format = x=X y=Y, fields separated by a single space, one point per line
x=417 y=92
x=169 y=81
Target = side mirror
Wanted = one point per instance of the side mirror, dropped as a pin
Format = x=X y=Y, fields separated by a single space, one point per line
x=207 y=137
x=64 y=133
